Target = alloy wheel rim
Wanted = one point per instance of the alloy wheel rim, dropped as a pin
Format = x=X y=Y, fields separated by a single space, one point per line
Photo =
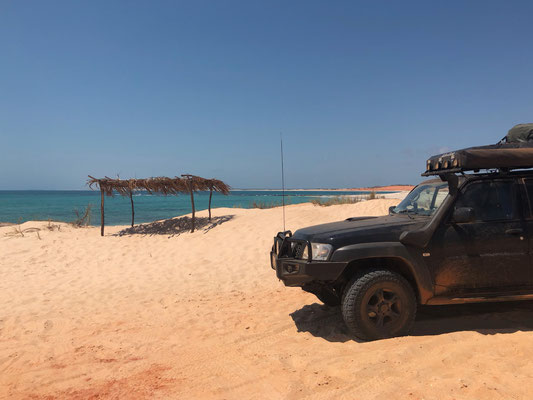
x=384 y=308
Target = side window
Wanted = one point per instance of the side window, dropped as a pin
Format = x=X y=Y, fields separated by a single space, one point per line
x=529 y=188
x=491 y=201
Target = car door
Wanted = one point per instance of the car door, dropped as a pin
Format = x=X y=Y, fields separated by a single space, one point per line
x=528 y=214
x=489 y=254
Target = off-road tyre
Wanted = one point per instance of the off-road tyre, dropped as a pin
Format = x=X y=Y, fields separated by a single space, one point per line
x=378 y=304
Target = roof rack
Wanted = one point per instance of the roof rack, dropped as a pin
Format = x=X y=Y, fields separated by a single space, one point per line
x=502 y=156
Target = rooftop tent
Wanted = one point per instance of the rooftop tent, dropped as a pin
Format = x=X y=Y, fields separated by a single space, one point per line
x=514 y=151
x=519 y=134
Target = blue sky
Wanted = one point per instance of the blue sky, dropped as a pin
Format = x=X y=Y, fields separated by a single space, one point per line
x=363 y=92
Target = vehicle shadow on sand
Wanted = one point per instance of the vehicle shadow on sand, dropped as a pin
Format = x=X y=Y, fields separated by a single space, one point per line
x=485 y=318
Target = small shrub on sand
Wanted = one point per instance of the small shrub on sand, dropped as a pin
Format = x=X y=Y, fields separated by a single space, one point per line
x=83 y=219
x=336 y=201
x=373 y=195
x=262 y=205
x=53 y=227
x=333 y=201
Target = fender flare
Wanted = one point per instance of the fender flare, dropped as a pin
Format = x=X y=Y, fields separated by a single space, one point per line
x=410 y=257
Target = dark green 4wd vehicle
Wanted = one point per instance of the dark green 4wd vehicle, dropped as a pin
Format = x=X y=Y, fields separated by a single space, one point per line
x=460 y=238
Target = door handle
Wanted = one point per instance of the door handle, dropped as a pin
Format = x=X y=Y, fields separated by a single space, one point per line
x=515 y=231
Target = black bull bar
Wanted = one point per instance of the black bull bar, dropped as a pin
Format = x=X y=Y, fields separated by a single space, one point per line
x=285 y=246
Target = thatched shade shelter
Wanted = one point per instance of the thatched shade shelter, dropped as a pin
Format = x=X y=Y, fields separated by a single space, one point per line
x=164 y=185
x=131 y=188
x=215 y=185
x=107 y=187
x=196 y=183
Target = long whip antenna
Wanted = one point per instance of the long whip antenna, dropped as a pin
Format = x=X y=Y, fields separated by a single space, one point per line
x=282 y=181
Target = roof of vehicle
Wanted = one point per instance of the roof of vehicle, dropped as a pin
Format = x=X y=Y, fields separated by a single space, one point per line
x=514 y=151
x=463 y=177
x=485 y=175
x=500 y=156
x=499 y=174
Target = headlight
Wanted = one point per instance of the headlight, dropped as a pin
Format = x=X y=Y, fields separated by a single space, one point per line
x=320 y=251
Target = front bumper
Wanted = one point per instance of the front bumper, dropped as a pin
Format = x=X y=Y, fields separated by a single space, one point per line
x=294 y=271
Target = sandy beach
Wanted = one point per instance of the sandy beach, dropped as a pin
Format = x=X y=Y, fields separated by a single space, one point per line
x=377 y=189
x=389 y=188
x=202 y=316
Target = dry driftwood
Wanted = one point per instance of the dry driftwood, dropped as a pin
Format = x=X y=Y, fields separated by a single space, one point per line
x=174 y=226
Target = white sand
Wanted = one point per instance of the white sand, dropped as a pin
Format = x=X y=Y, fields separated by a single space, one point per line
x=203 y=316
x=396 y=195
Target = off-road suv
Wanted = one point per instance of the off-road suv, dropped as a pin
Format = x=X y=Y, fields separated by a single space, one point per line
x=461 y=238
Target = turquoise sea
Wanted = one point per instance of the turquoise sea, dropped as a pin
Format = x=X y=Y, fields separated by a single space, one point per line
x=26 y=205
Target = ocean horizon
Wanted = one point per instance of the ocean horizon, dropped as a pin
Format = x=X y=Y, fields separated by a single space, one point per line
x=18 y=206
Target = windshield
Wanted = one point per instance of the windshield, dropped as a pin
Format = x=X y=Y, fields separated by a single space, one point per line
x=424 y=199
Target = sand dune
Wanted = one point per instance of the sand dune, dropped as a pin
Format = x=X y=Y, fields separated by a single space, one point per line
x=202 y=316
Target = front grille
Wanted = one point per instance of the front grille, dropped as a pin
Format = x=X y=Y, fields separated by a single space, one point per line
x=286 y=247
x=298 y=249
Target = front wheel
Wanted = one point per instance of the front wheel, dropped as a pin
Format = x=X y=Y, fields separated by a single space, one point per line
x=378 y=304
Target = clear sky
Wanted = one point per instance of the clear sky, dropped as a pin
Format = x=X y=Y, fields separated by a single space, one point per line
x=362 y=91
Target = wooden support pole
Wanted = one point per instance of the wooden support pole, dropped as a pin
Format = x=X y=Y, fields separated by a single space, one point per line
x=210 y=195
x=102 y=211
x=192 y=203
x=132 y=209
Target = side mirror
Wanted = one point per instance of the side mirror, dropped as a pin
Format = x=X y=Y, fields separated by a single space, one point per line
x=391 y=208
x=463 y=214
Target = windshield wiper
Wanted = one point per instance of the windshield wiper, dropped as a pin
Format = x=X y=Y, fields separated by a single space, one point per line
x=405 y=212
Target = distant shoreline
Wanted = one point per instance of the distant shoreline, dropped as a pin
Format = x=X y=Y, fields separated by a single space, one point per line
x=390 y=188
x=377 y=189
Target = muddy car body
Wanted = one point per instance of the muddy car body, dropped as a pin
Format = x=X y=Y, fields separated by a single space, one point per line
x=455 y=239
